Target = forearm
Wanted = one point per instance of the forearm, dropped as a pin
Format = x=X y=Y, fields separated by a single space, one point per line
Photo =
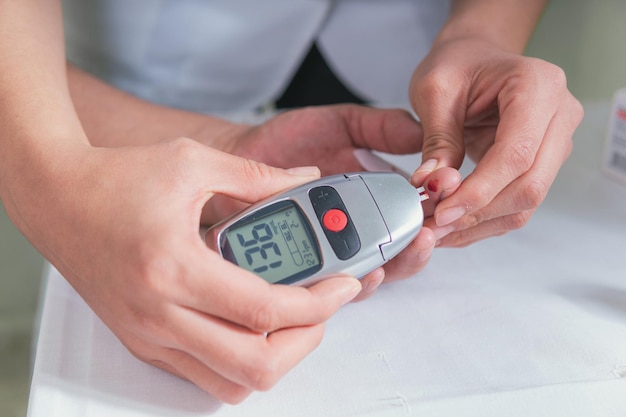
x=38 y=125
x=112 y=117
x=507 y=24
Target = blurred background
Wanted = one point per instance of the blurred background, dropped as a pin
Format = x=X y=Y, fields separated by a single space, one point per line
x=585 y=38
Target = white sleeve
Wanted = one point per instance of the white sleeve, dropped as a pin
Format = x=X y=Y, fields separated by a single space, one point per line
x=237 y=55
x=374 y=46
x=218 y=55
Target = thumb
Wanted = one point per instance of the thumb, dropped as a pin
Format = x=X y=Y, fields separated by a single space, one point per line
x=250 y=181
x=441 y=111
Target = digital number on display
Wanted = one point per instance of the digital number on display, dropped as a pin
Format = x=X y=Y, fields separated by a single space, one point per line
x=277 y=246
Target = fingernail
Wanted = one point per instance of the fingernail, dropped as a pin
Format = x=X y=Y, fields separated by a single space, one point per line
x=375 y=282
x=308 y=171
x=428 y=166
x=348 y=293
x=423 y=171
x=449 y=215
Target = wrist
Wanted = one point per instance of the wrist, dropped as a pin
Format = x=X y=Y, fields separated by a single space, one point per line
x=31 y=164
x=137 y=122
x=506 y=24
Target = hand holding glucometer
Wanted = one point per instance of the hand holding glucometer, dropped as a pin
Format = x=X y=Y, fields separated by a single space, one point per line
x=348 y=223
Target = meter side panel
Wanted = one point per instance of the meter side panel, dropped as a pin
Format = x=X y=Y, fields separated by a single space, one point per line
x=400 y=206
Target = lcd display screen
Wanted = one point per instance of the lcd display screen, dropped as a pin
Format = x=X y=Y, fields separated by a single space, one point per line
x=276 y=245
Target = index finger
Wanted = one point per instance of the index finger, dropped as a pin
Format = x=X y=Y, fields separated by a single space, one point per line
x=526 y=111
x=225 y=290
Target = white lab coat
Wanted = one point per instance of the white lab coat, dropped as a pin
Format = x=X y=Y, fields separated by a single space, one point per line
x=232 y=55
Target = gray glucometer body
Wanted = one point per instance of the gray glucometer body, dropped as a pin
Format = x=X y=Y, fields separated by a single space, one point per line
x=349 y=223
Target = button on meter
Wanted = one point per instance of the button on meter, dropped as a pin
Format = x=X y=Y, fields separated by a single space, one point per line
x=335 y=220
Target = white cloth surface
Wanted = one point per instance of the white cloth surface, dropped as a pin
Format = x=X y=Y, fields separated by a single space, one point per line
x=227 y=55
x=532 y=323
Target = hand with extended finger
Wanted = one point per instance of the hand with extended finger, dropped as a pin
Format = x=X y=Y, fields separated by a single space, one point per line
x=512 y=115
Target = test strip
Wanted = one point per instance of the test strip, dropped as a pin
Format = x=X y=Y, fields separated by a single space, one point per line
x=374 y=163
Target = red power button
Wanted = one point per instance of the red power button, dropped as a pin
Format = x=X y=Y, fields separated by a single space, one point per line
x=335 y=220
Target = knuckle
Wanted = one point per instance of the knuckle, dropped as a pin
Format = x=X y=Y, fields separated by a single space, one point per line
x=522 y=155
x=517 y=220
x=482 y=194
x=157 y=273
x=184 y=148
x=150 y=325
x=265 y=318
x=261 y=173
x=154 y=284
x=262 y=373
x=546 y=72
x=434 y=83
x=552 y=73
x=533 y=194
x=473 y=219
x=181 y=156
x=557 y=75
x=182 y=151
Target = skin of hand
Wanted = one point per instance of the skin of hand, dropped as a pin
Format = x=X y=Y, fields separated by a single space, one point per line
x=121 y=224
x=324 y=136
x=327 y=136
x=126 y=236
x=512 y=115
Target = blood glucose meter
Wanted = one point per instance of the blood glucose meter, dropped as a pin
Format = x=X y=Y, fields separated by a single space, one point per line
x=349 y=223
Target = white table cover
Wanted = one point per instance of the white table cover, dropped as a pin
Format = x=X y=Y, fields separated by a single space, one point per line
x=532 y=323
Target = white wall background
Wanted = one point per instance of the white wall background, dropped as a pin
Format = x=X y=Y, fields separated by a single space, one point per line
x=588 y=40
